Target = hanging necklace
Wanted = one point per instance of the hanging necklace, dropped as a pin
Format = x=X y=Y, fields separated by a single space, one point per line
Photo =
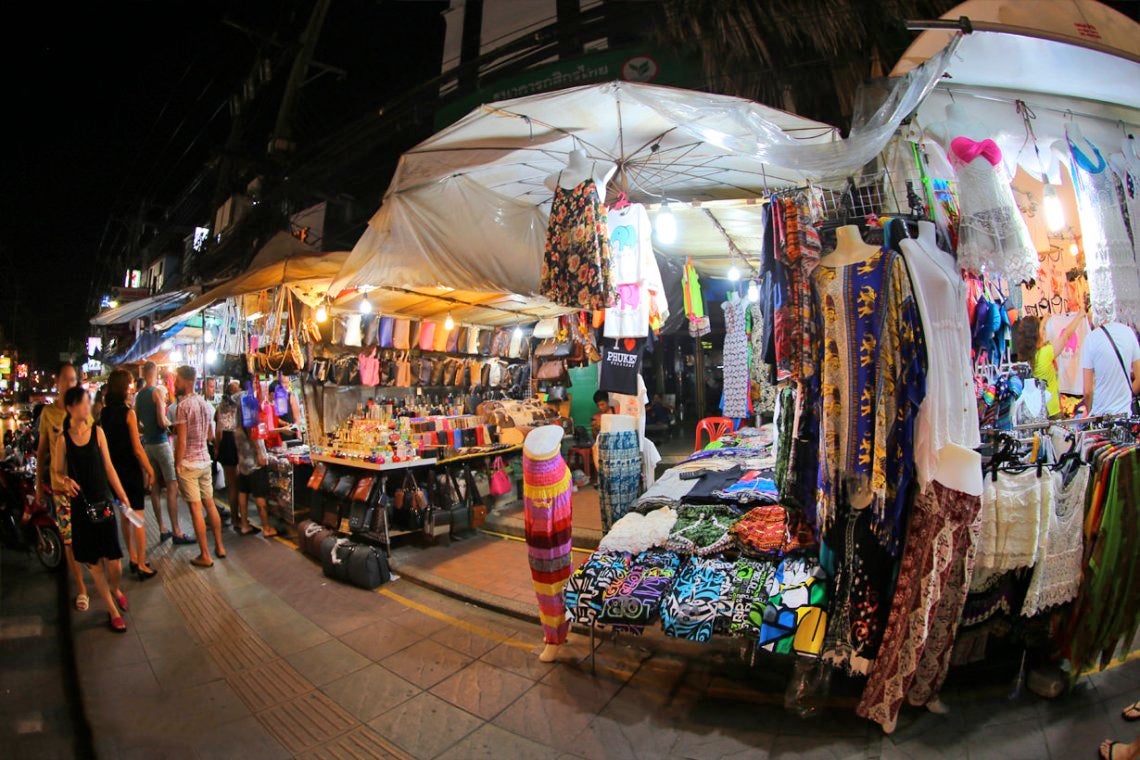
x=1082 y=160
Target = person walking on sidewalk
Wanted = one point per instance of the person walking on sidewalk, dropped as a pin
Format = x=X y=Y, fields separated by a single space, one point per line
x=226 y=419
x=192 y=463
x=150 y=407
x=121 y=428
x=51 y=427
x=81 y=464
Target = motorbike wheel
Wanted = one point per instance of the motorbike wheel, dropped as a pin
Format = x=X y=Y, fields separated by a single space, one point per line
x=49 y=547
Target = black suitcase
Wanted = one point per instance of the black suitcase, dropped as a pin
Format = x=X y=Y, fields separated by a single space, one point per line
x=359 y=565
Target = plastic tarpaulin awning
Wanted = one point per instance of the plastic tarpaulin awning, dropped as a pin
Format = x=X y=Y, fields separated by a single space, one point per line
x=143 y=307
x=468 y=207
x=301 y=268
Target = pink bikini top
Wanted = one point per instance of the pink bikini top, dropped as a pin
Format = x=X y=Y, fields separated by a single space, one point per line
x=967 y=150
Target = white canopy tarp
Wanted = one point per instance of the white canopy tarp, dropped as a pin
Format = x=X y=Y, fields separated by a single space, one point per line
x=467 y=207
x=143 y=307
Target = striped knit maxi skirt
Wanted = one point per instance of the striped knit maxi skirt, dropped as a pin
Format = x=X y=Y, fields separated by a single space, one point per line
x=546 y=497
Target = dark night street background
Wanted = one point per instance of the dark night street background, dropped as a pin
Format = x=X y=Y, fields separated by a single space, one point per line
x=112 y=104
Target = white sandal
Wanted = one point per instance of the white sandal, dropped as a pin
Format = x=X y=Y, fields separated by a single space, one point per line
x=82 y=602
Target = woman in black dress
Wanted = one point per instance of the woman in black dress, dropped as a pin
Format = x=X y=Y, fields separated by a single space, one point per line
x=81 y=462
x=121 y=427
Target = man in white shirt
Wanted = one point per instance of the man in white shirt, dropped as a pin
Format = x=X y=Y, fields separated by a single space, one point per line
x=1111 y=374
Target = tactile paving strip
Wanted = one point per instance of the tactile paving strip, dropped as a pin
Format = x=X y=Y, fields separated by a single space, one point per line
x=290 y=707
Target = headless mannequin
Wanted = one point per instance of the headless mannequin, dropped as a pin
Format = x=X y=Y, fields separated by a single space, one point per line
x=580 y=168
x=958 y=123
x=541 y=443
x=849 y=248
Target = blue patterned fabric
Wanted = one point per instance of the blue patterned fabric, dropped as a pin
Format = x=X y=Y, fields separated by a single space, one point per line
x=619 y=475
x=690 y=609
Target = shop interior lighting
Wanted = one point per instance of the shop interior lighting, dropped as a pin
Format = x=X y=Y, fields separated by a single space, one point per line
x=365 y=306
x=518 y=330
x=449 y=323
x=734 y=273
x=211 y=356
x=254 y=316
x=322 y=314
x=1074 y=249
x=753 y=291
x=208 y=336
x=176 y=355
x=665 y=225
x=1054 y=211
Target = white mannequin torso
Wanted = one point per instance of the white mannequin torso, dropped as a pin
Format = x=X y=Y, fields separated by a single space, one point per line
x=618 y=423
x=542 y=442
x=580 y=168
x=957 y=124
x=849 y=248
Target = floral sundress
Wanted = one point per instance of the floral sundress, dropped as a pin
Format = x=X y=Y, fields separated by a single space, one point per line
x=576 y=262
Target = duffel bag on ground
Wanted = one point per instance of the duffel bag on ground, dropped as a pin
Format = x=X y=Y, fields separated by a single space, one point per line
x=311 y=535
x=349 y=562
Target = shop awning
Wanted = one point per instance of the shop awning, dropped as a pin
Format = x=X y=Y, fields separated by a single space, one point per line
x=145 y=346
x=143 y=307
x=467 y=208
x=283 y=261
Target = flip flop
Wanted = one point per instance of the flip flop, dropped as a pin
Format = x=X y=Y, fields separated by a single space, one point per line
x=1131 y=713
x=82 y=602
x=201 y=562
x=1111 y=747
x=220 y=554
x=253 y=531
x=271 y=535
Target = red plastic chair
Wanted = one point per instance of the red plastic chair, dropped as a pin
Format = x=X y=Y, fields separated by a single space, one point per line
x=715 y=427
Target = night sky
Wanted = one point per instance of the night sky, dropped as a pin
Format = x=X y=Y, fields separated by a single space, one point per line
x=111 y=105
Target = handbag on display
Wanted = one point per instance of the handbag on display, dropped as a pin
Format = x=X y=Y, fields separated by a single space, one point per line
x=460 y=339
x=360 y=517
x=318 y=476
x=415 y=328
x=401 y=334
x=546 y=328
x=453 y=340
x=363 y=490
x=441 y=336
x=319 y=370
x=486 y=338
x=311 y=536
x=385 y=332
x=344 y=486
x=473 y=341
x=500 y=481
x=424 y=374
x=437 y=368
x=427 y=336
x=328 y=483
x=370 y=327
x=551 y=370
x=403 y=372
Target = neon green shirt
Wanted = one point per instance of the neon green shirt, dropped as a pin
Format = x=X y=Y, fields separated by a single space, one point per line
x=1045 y=369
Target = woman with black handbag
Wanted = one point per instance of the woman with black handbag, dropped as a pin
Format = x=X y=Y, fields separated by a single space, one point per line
x=82 y=464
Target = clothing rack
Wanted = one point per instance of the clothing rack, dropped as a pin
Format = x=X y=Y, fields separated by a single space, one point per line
x=1124 y=419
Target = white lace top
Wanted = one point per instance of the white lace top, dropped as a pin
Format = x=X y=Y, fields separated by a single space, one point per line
x=1014 y=510
x=949 y=411
x=1057 y=574
x=992 y=236
x=635 y=533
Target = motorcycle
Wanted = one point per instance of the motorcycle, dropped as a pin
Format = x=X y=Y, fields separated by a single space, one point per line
x=26 y=523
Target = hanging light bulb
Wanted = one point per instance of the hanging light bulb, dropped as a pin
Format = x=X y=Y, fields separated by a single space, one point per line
x=208 y=336
x=734 y=273
x=1054 y=211
x=211 y=356
x=518 y=330
x=1074 y=249
x=322 y=314
x=365 y=306
x=665 y=225
x=753 y=291
x=449 y=323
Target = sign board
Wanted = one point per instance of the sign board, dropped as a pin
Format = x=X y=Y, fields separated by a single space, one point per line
x=631 y=64
x=5 y=365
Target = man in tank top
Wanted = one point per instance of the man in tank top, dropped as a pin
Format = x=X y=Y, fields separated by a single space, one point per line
x=150 y=408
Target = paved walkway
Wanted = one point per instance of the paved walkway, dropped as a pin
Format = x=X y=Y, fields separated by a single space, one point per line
x=262 y=657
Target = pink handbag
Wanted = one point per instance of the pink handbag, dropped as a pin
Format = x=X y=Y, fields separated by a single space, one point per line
x=427 y=336
x=500 y=481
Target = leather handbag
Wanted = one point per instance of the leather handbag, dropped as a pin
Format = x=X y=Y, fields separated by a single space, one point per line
x=363 y=490
x=551 y=370
x=451 y=371
x=403 y=372
x=500 y=481
x=344 y=486
x=427 y=336
x=441 y=336
x=414 y=329
x=370 y=327
x=319 y=370
x=437 y=367
x=546 y=328
x=461 y=332
x=328 y=484
x=545 y=349
x=486 y=337
x=453 y=340
x=360 y=517
x=424 y=374
x=318 y=475
x=401 y=334
x=387 y=327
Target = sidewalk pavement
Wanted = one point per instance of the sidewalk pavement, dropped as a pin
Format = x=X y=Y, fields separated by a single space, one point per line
x=262 y=657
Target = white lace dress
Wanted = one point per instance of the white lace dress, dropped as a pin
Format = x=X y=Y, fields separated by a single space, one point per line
x=1014 y=510
x=1057 y=574
x=1114 y=283
x=992 y=236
